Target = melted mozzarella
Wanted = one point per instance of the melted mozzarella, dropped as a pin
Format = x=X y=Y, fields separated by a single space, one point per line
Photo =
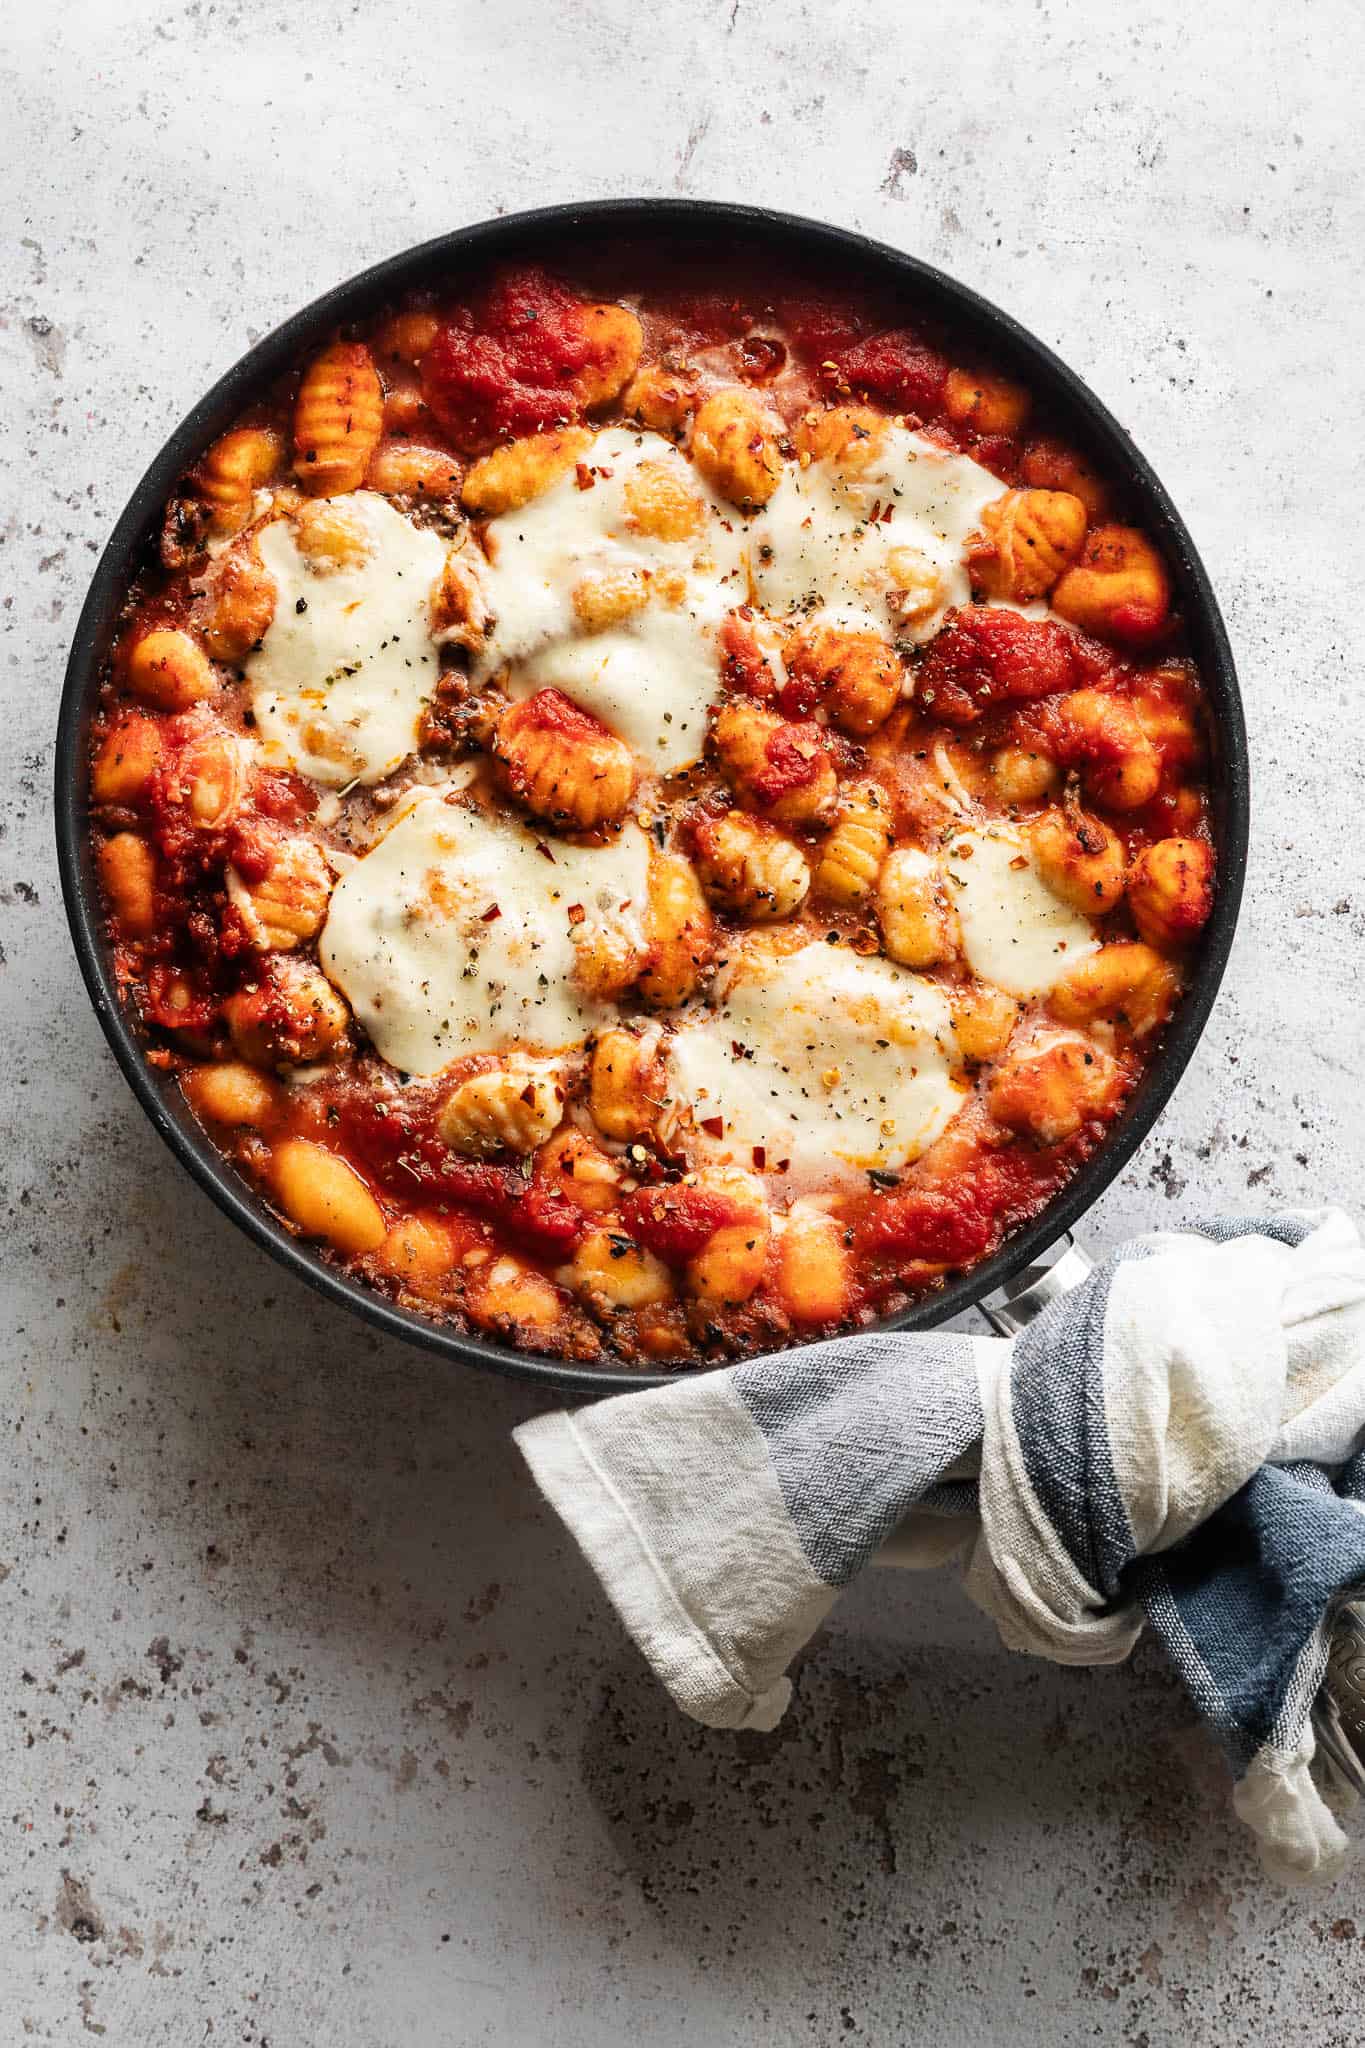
x=651 y=676
x=821 y=1057
x=430 y=975
x=819 y=549
x=338 y=684
x=1015 y=932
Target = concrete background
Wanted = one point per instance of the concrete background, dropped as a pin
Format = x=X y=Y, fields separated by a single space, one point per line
x=313 y=1730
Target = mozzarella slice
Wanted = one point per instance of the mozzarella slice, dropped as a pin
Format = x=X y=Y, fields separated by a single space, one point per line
x=1015 y=932
x=651 y=675
x=822 y=1058
x=460 y=931
x=825 y=541
x=338 y=684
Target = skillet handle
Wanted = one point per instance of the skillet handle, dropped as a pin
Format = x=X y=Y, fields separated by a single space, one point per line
x=1012 y=1307
x=1338 y=1714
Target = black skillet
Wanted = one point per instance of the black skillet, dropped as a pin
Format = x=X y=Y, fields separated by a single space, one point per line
x=731 y=236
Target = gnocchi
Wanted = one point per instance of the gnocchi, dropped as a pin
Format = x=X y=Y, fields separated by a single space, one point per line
x=128 y=872
x=338 y=419
x=126 y=760
x=1171 y=891
x=236 y=610
x=627 y=1088
x=615 y=337
x=987 y=404
x=207 y=779
x=512 y=1109
x=418 y=1253
x=1049 y=1089
x=850 y=437
x=750 y=869
x=813 y=1276
x=680 y=934
x=920 y=926
x=1126 y=980
x=409 y=469
x=1028 y=540
x=286 y=901
x=235 y=468
x=855 y=676
x=564 y=765
x=1119 y=588
x=326 y=1197
x=852 y=856
x=232 y=1094
x=1103 y=736
x=665 y=398
x=731 y=1263
x=511 y=477
x=288 y=1016
x=167 y=668
x=614 y=1273
x=1079 y=858
x=736 y=444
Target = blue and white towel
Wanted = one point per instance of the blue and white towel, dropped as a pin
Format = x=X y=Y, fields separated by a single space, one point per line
x=1178 y=1440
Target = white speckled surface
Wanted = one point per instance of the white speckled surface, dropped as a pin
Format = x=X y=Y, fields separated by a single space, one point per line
x=312 y=1729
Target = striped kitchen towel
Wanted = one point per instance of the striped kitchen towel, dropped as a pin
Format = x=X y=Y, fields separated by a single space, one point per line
x=1179 y=1439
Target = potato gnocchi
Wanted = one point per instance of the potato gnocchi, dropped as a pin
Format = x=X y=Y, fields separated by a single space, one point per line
x=654 y=824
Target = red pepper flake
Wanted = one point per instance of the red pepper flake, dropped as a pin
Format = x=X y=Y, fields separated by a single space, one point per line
x=888 y=515
x=576 y=913
x=760 y=1157
x=875 y=514
x=542 y=848
x=783 y=1165
x=583 y=476
x=490 y=914
x=714 y=1126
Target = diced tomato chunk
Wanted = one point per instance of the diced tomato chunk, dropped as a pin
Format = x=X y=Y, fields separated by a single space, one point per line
x=252 y=847
x=799 y=695
x=987 y=654
x=285 y=796
x=179 y=1000
x=676 y=1222
x=793 y=756
x=997 y=452
x=743 y=663
x=549 y=710
x=507 y=364
x=897 y=368
x=925 y=1223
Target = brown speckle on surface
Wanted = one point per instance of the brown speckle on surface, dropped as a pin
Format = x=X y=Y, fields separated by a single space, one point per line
x=904 y=164
x=76 y=1912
